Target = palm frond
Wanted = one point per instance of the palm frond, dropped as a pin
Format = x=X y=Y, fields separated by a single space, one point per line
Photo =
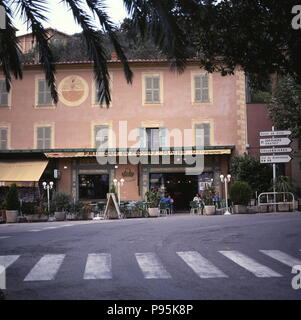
x=99 y=9
x=96 y=51
x=32 y=11
x=155 y=19
x=9 y=50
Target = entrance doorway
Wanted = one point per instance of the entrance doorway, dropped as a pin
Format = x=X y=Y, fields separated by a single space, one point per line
x=93 y=186
x=180 y=186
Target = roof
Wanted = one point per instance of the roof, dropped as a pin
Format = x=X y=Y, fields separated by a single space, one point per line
x=47 y=29
x=85 y=62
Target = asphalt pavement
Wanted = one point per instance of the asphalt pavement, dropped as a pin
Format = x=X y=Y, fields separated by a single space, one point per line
x=175 y=257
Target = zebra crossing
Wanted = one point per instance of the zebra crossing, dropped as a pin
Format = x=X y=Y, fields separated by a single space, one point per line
x=99 y=265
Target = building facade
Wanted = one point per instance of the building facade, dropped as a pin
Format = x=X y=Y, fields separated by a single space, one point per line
x=161 y=115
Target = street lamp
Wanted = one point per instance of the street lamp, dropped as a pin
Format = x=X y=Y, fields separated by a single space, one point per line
x=48 y=187
x=119 y=184
x=226 y=180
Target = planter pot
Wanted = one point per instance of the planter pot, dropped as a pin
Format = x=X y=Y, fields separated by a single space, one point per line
x=43 y=218
x=283 y=207
x=71 y=216
x=2 y=215
x=60 y=216
x=263 y=209
x=252 y=209
x=209 y=210
x=153 y=212
x=11 y=216
x=88 y=215
x=239 y=208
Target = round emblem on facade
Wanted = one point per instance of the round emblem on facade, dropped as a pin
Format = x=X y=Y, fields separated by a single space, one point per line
x=73 y=90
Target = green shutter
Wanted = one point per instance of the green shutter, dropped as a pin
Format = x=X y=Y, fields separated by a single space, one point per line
x=163 y=137
x=200 y=130
x=205 y=88
x=3 y=94
x=3 y=138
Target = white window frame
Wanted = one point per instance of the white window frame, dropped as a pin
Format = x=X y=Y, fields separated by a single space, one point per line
x=193 y=88
x=2 y=80
x=211 y=124
x=38 y=105
x=161 y=89
x=44 y=125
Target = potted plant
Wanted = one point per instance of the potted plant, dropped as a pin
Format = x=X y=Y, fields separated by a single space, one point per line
x=2 y=211
x=240 y=194
x=75 y=210
x=153 y=199
x=28 y=209
x=208 y=195
x=12 y=204
x=60 y=203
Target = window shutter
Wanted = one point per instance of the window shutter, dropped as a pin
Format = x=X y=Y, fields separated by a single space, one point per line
x=163 y=137
x=3 y=138
x=40 y=136
x=205 y=88
x=44 y=93
x=200 y=130
x=101 y=136
x=3 y=94
x=142 y=137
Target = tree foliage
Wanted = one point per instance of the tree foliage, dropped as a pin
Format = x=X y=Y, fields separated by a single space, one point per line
x=249 y=169
x=255 y=35
x=285 y=106
x=241 y=193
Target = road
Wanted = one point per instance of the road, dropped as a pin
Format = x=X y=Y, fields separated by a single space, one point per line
x=174 y=257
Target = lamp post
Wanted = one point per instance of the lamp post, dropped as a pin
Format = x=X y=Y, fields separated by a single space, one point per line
x=119 y=184
x=226 y=180
x=48 y=187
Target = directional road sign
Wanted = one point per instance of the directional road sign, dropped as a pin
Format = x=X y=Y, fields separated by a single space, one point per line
x=276 y=150
x=275 y=133
x=274 y=142
x=275 y=159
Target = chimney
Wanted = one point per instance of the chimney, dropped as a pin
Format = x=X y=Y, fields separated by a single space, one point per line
x=114 y=56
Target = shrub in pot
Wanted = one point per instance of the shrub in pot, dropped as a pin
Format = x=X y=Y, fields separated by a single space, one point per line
x=60 y=203
x=28 y=209
x=12 y=204
x=208 y=195
x=240 y=194
x=2 y=211
x=153 y=199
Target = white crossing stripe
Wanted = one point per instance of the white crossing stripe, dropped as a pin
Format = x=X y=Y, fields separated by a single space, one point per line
x=48 y=228
x=35 y=230
x=46 y=268
x=251 y=265
x=99 y=266
x=5 y=237
x=6 y=261
x=200 y=265
x=151 y=266
x=282 y=257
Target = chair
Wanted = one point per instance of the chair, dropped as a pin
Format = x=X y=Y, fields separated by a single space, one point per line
x=195 y=207
x=164 y=208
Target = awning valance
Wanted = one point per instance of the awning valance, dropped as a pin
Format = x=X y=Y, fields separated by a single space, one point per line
x=23 y=171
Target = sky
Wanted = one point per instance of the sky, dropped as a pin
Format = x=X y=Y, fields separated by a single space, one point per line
x=62 y=20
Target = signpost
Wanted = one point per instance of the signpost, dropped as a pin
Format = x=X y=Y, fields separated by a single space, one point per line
x=275 y=159
x=272 y=142
x=276 y=150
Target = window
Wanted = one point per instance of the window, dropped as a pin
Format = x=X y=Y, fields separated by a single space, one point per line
x=93 y=186
x=3 y=138
x=202 y=131
x=101 y=136
x=44 y=94
x=44 y=137
x=3 y=94
x=153 y=140
x=152 y=89
x=201 y=88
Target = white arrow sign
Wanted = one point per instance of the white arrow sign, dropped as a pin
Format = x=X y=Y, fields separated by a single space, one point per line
x=275 y=159
x=274 y=142
x=276 y=150
x=275 y=133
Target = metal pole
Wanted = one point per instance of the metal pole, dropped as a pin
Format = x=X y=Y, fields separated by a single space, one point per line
x=48 y=199
x=118 y=192
x=274 y=177
x=226 y=192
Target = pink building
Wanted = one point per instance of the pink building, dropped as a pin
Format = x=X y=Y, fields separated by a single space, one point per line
x=193 y=107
